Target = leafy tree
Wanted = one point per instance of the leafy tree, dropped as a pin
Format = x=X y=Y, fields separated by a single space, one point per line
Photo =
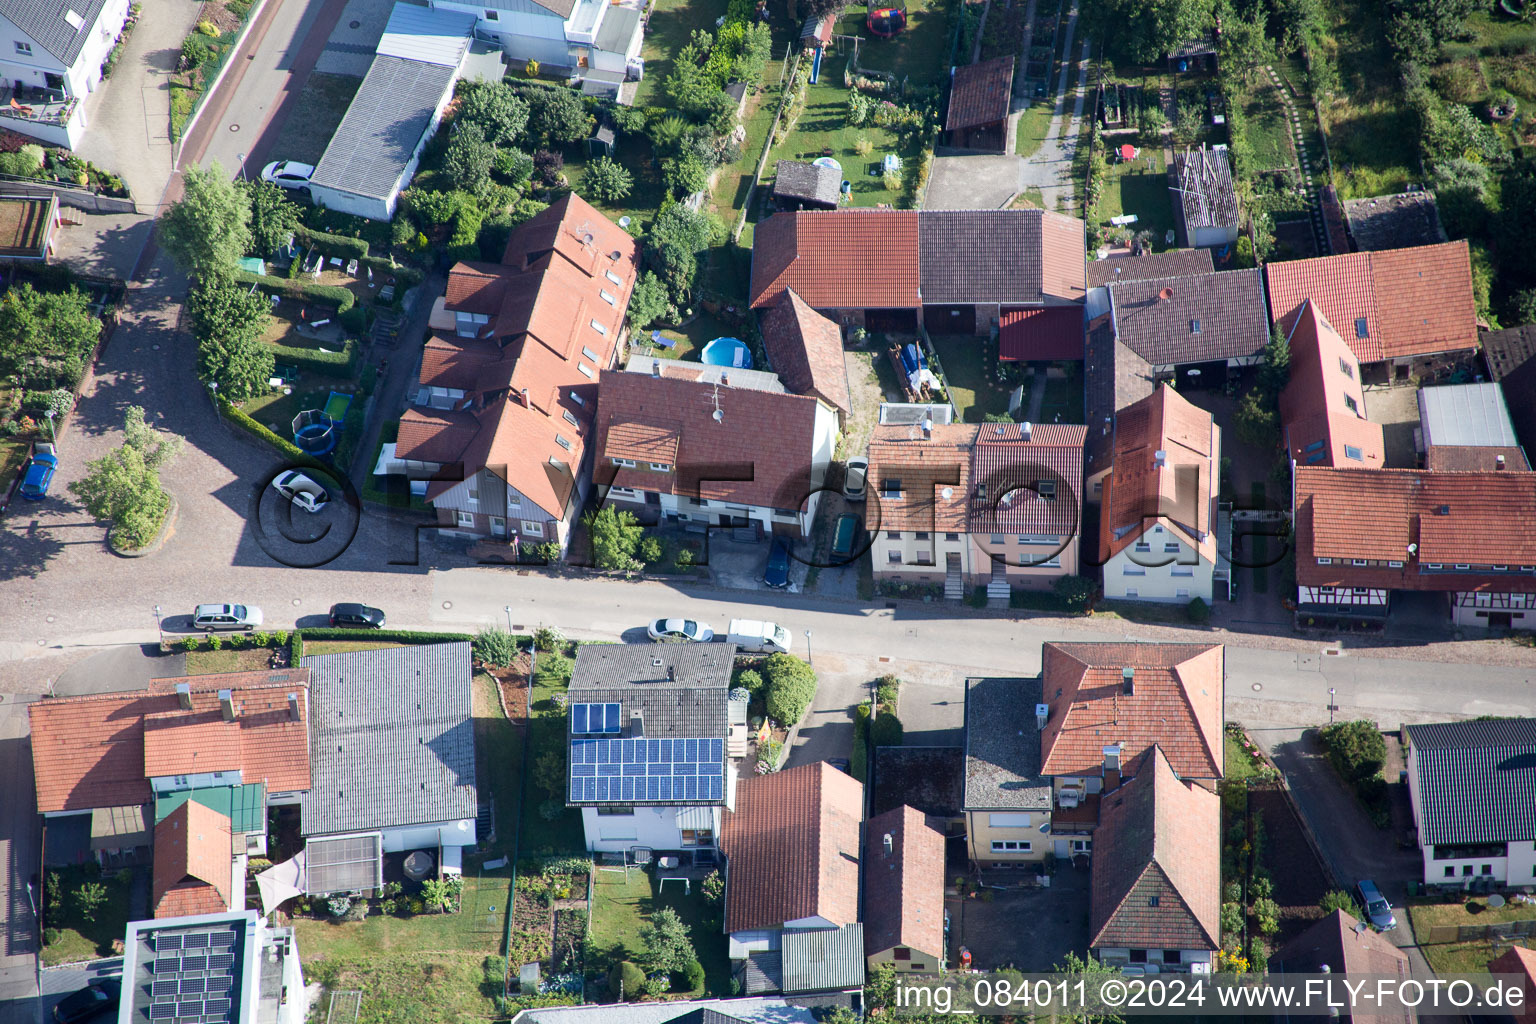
x=751 y=54
x=549 y=771
x=1256 y=421
x=123 y=486
x=1143 y=31
x=666 y=941
x=208 y=229
x=1275 y=373
x=685 y=174
x=647 y=302
x=676 y=238
x=548 y=164
x=1337 y=899
x=791 y=687
x=626 y=981
x=1075 y=591
x=1245 y=44
x=500 y=112
x=750 y=680
x=1462 y=191
x=273 y=216
x=556 y=116
x=1523 y=306
x=615 y=535
x=228 y=320
x=467 y=161
x=607 y=181
x=513 y=164
x=89 y=898
x=494 y=646
x=45 y=337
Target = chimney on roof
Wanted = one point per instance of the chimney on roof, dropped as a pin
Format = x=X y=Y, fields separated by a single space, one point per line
x=636 y=724
x=1112 y=758
x=655 y=367
x=1128 y=682
x=227 y=704
x=671 y=673
x=725 y=378
x=1026 y=429
x=927 y=427
x=293 y=707
x=1042 y=714
x=1498 y=462
x=184 y=696
x=889 y=845
x=1159 y=459
x=525 y=397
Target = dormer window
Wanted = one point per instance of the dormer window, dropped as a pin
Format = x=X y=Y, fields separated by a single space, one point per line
x=626 y=463
x=891 y=488
x=467 y=325
x=661 y=467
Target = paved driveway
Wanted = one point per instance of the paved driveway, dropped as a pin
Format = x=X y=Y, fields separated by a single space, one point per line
x=1025 y=928
x=972 y=181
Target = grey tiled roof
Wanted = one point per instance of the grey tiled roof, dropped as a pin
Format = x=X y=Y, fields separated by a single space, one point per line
x=391 y=739
x=981 y=256
x=799 y=179
x=1229 y=306
x=379 y=133
x=43 y=21
x=1475 y=781
x=823 y=960
x=1174 y=263
x=1002 y=746
x=681 y=688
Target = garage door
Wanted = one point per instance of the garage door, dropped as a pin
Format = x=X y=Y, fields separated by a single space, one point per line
x=891 y=320
x=950 y=319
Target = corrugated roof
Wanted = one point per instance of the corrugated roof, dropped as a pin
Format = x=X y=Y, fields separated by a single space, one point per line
x=1002 y=746
x=1475 y=781
x=1046 y=333
x=432 y=35
x=823 y=959
x=47 y=24
x=1468 y=415
x=407 y=708
x=1205 y=181
x=378 y=135
x=980 y=94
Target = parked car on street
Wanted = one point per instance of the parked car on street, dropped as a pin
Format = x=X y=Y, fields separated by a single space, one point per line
x=301 y=490
x=361 y=616
x=680 y=631
x=777 y=573
x=1377 y=909
x=288 y=174
x=34 y=485
x=96 y=1001
x=759 y=637
x=856 y=478
x=226 y=616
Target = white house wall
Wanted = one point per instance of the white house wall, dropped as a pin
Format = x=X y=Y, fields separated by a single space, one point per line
x=427 y=837
x=654 y=827
x=522 y=29
x=349 y=202
x=1133 y=576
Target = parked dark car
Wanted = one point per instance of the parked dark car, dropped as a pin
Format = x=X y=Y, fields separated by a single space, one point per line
x=361 y=616
x=95 y=1002
x=777 y=573
x=34 y=486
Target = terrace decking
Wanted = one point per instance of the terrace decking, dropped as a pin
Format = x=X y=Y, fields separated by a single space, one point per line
x=26 y=226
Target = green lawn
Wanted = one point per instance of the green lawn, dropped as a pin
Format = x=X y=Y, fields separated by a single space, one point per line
x=921 y=52
x=1268 y=132
x=430 y=988
x=346 y=646
x=968 y=370
x=672 y=22
x=733 y=181
x=547 y=736
x=1462 y=957
x=1372 y=133
x=276 y=411
x=1063 y=402
x=250 y=659
x=78 y=938
x=620 y=908
x=688 y=339
x=313 y=119
x=1140 y=187
x=13 y=452
x=1034 y=124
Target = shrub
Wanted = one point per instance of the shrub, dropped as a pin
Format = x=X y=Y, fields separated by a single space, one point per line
x=298 y=288
x=548 y=164
x=625 y=980
x=1356 y=749
x=650 y=550
x=713 y=887
x=553 y=669
x=1198 y=611
x=684 y=559
x=355 y=320
x=886 y=688
x=791 y=686
x=548 y=638
x=89 y=898
x=331 y=245
x=494 y=646
x=1267 y=913
x=1231 y=919
x=51 y=935
x=1075 y=591
x=1337 y=899
x=693 y=977
x=531 y=69
x=657 y=985
x=751 y=680
x=190 y=643
x=607 y=181
x=513 y=165
x=215 y=642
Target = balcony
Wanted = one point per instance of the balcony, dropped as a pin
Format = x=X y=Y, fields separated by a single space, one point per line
x=1075 y=819
x=43 y=106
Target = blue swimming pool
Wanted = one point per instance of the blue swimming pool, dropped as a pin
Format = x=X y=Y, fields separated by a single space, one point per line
x=727 y=352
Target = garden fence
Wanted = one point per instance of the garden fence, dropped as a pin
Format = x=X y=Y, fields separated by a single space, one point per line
x=1501 y=930
x=762 y=161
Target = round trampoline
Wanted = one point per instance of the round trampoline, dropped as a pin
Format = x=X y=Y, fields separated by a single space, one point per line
x=315 y=432
x=727 y=352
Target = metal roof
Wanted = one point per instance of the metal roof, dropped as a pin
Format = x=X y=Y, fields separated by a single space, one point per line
x=823 y=960
x=201 y=968
x=245 y=806
x=391 y=738
x=343 y=864
x=377 y=137
x=1469 y=415
x=1002 y=746
x=618 y=28
x=46 y=23
x=427 y=34
x=1475 y=781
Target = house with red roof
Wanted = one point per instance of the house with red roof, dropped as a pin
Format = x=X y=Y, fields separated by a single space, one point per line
x=498 y=432
x=980 y=96
x=960 y=271
x=806 y=350
x=1399 y=310
x=996 y=505
x=1520 y=962
x=904 y=892
x=1363 y=535
x=703 y=451
x=1322 y=408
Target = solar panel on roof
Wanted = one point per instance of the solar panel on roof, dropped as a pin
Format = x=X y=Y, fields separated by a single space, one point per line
x=220 y=962
x=220 y=983
x=164 y=988
x=167 y=941
x=216 y=1006
x=194 y=963
x=162 y=1011
x=193 y=986
x=579 y=718
x=611 y=718
x=191 y=1008
x=225 y=939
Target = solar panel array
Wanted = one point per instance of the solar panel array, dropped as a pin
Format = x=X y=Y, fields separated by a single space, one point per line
x=341 y=865
x=587 y=719
x=193 y=977
x=635 y=770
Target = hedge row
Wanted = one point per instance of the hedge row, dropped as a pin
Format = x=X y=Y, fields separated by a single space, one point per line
x=333 y=364
x=405 y=276
x=399 y=636
x=297 y=288
x=244 y=422
x=332 y=245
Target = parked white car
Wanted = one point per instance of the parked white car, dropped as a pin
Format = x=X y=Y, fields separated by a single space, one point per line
x=301 y=490
x=680 y=631
x=288 y=173
x=856 y=478
x=759 y=637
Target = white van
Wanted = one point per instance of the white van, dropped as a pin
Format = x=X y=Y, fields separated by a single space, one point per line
x=759 y=637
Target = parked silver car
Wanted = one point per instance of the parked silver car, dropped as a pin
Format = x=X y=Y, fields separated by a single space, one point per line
x=212 y=617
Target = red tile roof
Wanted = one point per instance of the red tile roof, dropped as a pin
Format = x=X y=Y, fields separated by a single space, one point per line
x=1522 y=962
x=864 y=259
x=1157 y=865
x=1176 y=703
x=1047 y=333
x=806 y=350
x=934 y=474
x=1338 y=944
x=93 y=751
x=1474 y=519
x=1011 y=469
x=792 y=848
x=980 y=94
x=175 y=744
x=769 y=437
x=1414 y=301
x=1320 y=424
x=1456 y=458
x=903 y=889
x=193 y=857
x=1138 y=492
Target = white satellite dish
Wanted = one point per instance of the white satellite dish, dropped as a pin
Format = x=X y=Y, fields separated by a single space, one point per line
x=948 y=492
x=719 y=415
